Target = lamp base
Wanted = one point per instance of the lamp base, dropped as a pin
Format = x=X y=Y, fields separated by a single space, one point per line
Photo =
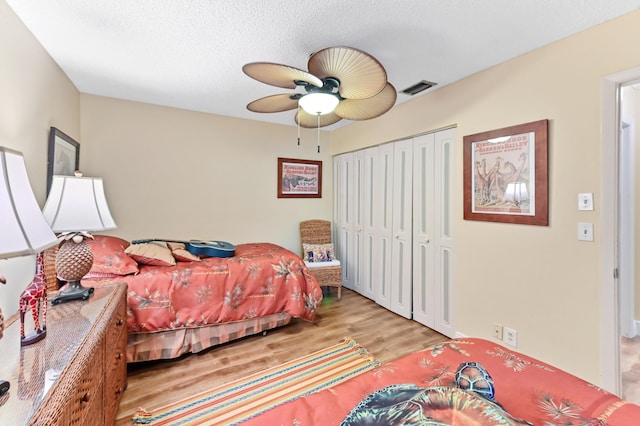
x=74 y=291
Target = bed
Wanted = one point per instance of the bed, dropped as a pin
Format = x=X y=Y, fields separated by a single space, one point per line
x=422 y=388
x=178 y=304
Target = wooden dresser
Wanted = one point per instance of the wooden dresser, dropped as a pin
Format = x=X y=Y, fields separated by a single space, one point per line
x=77 y=374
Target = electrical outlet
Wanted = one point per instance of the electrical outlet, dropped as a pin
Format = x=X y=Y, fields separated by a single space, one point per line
x=511 y=337
x=497 y=331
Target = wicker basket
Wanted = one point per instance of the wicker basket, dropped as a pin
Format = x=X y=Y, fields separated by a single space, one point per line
x=317 y=231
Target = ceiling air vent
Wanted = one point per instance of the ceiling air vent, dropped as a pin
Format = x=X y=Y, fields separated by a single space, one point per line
x=418 y=87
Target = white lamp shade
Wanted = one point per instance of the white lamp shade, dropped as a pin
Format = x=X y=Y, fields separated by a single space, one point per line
x=77 y=204
x=23 y=229
x=319 y=103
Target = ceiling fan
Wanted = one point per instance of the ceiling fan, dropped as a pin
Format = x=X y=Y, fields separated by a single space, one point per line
x=342 y=82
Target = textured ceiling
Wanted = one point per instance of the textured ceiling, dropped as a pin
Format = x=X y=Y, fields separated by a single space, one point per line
x=189 y=53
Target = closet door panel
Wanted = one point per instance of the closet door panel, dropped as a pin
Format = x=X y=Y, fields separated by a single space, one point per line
x=371 y=210
x=423 y=230
x=433 y=237
x=383 y=233
x=443 y=321
x=401 y=251
x=356 y=264
x=344 y=218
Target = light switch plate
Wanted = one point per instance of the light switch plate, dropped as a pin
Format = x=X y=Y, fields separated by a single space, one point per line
x=585 y=231
x=585 y=201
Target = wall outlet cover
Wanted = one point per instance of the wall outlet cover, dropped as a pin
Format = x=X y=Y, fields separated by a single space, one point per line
x=510 y=337
x=497 y=331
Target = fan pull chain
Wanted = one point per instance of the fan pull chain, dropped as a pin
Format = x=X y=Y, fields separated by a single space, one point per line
x=298 y=120
x=318 y=133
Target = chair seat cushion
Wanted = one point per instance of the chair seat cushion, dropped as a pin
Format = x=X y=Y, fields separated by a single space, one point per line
x=312 y=265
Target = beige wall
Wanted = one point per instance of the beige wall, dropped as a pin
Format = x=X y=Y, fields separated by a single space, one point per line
x=34 y=95
x=541 y=281
x=173 y=173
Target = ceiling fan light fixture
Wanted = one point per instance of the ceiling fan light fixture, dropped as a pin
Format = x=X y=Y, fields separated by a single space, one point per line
x=319 y=103
x=342 y=83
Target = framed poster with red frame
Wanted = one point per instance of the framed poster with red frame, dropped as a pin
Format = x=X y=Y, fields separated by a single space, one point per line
x=506 y=176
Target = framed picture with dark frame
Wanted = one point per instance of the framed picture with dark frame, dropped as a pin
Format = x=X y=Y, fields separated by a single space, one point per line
x=506 y=175
x=299 y=178
x=63 y=157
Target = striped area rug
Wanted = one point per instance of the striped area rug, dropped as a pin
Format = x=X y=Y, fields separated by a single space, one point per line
x=245 y=398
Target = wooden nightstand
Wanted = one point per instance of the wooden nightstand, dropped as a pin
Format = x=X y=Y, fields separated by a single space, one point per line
x=77 y=374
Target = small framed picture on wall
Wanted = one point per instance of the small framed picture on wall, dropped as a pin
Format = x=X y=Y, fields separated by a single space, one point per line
x=63 y=157
x=299 y=178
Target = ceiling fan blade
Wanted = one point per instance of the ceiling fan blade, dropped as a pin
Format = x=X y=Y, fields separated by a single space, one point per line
x=311 y=120
x=274 y=103
x=279 y=75
x=361 y=75
x=365 y=109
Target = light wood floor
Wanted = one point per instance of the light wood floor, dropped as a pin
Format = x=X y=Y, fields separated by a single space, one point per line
x=386 y=335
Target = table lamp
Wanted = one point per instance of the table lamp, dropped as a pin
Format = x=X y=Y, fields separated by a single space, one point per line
x=75 y=206
x=22 y=226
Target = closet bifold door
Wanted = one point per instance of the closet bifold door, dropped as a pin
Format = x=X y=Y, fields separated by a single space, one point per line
x=356 y=264
x=423 y=230
x=401 y=251
x=433 y=231
x=383 y=226
x=394 y=226
x=343 y=214
x=444 y=316
x=371 y=216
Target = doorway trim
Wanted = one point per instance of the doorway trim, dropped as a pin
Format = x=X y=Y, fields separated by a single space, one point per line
x=609 y=305
x=626 y=215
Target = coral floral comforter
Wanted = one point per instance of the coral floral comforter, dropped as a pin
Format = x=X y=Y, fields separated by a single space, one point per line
x=421 y=389
x=261 y=279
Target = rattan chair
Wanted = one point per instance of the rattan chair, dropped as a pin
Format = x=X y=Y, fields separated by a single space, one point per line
x=328 y=274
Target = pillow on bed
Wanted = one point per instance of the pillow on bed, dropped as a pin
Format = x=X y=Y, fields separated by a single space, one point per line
x=109 y=258
x=151 y=254
x=181 y=254
x=318 y=252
